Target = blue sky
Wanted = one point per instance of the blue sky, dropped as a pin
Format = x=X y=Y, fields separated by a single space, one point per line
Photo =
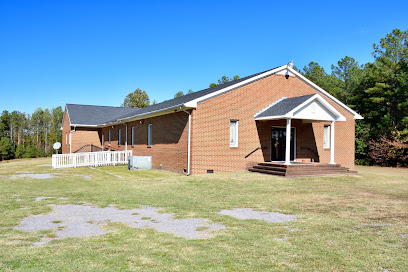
x=96 y=52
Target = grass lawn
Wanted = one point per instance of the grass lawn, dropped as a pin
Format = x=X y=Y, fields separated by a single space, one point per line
x=344 y=223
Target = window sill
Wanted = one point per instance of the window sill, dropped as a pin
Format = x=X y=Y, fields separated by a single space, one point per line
x=326 y=148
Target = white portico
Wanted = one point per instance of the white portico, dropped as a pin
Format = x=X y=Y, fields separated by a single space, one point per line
x=309 y=108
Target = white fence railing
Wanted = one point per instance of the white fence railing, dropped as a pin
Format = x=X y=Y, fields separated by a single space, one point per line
x=103 y=158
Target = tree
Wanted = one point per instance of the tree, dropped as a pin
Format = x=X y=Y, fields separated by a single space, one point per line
x=349 y=73
x=5 y=124
x=383 y=98
x=6 y=149
x=224 y=79
x=46 y=128
x=37 y=124
x=136 y=99
x=20 y=151
x=180 y=93
x=316 y=73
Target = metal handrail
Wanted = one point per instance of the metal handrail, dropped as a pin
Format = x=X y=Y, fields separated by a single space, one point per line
x=253 y=151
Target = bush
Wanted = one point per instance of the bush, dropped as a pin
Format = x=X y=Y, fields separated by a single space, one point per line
x=20 y=151
x=32 y=152
x=6 y=149
x=390 y=151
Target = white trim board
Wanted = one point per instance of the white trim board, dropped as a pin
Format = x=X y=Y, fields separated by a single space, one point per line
x=325 y=111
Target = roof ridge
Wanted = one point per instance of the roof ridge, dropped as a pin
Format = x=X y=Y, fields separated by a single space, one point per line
x=101 y=106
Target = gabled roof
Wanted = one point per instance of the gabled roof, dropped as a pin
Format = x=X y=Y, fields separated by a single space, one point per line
x=88 y=115
x=97 y=116
x=183 y=100
x=283 y=106
x=307 y=107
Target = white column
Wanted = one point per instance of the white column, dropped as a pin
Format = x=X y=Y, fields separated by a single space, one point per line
x=332 y=143
x=287 y=151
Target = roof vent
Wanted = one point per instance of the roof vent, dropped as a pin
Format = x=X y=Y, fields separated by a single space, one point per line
x=290 y=64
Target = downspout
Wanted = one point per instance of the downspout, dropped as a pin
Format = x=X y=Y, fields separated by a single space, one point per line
x=70 y=140
x=189 y=141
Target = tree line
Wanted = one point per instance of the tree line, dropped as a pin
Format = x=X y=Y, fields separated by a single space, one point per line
x=379 y=92
x=29 y=136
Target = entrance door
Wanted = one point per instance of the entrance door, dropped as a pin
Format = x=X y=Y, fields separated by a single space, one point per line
x=278 y=148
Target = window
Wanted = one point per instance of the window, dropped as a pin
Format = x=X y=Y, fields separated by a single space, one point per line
x=149 y=135
x=234 y=133
x=120 y=137
x=133 y=135
x=66 y=138
x=326 y=137
x=103 y=140
x=109 y=137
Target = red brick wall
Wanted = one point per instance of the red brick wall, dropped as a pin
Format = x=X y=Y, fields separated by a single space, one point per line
x=169 y=140
x=210 y=139
x=66 y=127
x=80 y=137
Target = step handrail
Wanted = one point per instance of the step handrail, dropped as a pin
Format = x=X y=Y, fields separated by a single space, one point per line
x=253 y=151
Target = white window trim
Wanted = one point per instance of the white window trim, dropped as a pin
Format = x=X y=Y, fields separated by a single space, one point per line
x=236 y=133
x=120 y=137
x=327 y=145
x=149 y=135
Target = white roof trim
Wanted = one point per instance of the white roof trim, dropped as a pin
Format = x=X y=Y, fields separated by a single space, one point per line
x=193 y=103
x=324 y=102
x=291 y=114
x=81 y=125
x=338 y=102
x=272 y=117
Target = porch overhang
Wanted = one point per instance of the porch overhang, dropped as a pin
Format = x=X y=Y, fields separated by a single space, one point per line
x=309 y=107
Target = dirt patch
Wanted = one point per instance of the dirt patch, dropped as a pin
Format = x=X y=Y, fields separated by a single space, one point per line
x=245 y=213
x=36 y=176
x=83 y=176
x=85 y=221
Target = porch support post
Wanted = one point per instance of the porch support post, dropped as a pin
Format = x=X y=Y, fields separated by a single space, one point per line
x=287 y=151
x=332 y=143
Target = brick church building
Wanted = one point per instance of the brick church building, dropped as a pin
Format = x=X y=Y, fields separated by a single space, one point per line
x=227 y=128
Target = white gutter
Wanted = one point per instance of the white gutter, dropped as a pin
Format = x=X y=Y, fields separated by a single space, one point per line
x=189 y=141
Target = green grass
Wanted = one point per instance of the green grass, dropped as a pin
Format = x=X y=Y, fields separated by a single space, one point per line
x=345 y=223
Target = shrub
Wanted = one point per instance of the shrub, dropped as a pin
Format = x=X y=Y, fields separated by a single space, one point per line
x=6 y=149
x=390 y=150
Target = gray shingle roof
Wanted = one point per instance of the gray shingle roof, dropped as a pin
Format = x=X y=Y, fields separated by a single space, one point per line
x=175 y=102
x=95 y=115
x=99 y=115
x=284 y=106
